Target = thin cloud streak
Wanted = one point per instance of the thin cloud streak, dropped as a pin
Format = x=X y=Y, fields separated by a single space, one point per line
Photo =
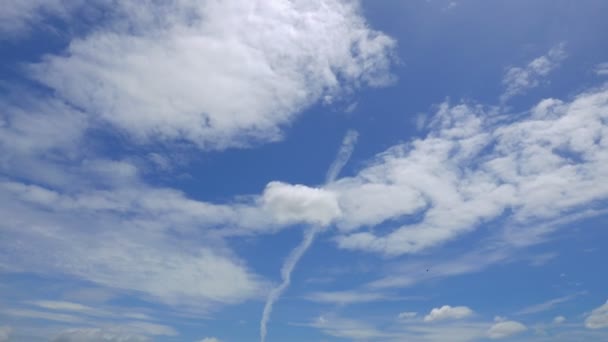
x=344 y=154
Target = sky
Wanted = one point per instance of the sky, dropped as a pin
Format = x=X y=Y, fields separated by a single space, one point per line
x=303 y=170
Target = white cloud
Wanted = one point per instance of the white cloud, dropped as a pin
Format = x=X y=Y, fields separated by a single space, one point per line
x=127 y=332
x=298 y=203
x=473 y=260
x=548 y=305
x=346 y=150
x=98 y=335
x=139 y=253
x=367 y=329
x=559 y=320
x=5 y=333
x=473 y=167
x=210 y=339
x=505 y=329
x=17 y=16
x=598 y=318
x=36 y=314
x=348 y=328
x=217 y=74
x=601 y=69
x=447 y=312
x=407 y=315
x=31 y=126
x=62 y=306
x=347 y=297
x=519 y=79
x=80 y=309
x=542 y=259
x=210 y=73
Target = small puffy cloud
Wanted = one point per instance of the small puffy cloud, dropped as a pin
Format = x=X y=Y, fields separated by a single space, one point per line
x=598 y=318
x=447 y=312
x=298 y=203
x=5 y=333
x=505 y=329
x=407 y=315
x=559 y=320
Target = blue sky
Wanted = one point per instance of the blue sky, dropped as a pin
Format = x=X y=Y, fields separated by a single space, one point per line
x=320 y=170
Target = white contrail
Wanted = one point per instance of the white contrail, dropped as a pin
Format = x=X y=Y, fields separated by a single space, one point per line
x=346 y=150
x=286 y=270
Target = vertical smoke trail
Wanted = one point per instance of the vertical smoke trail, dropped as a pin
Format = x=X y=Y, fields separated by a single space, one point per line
x=288 y=267
x=346 y=150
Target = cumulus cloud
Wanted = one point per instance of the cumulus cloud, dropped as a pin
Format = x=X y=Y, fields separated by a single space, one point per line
x=519 y=79
x=505 y=329
x=598 y=318
x=299 y=203
x=214 y=73
x=447 y=312
x=474 y=166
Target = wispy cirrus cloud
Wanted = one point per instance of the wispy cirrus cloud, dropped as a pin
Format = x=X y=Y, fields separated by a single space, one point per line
x=601 y=69
x=517 y=80
x=475 y=166
x=349 y=297
x=550 y=304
